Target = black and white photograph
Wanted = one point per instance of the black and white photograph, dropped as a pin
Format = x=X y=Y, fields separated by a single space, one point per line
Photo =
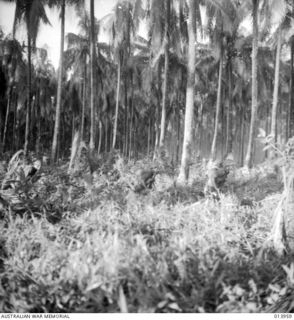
x=146 y=158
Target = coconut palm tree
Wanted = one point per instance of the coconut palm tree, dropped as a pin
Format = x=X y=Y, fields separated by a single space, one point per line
x=32 y=12
x=77 y=63
x=12 y=62
x=290 y=111
x=218 y=106
x=223 y=33
x=43 y=85
x=92 y=75
x=254 y=101
x=186 y=153
x=119 y=25
x=59 y=87
x=77 y=55
x=281 y=9
x=62 y=5
x=216 y=33
x=166 y=43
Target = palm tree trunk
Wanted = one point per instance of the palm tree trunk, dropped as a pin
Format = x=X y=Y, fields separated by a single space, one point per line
x=29 y=90
x=92 y=77
x=267 y=128
x=117 y=103
x=17 y=128
x=33 y=114
x=242 y=125
x=131 y=108
x=291 y=96
x=186 y=153
x=249 y=154
x=106 y=135
x=200 y=127
x=59 y=87
x=14 y=122
x=223 y=131
x=290 y=112
x=157 y=112
x=178 y=136
x=100 y=136
x=84 y=102
x=73 y=125
x=38 y=106
x=229 y=138
x=276 y=92
x=148 y=136
x=157 y=133
x=166 y=73
x=110 y=135
x=218 y=105
x=6 y=116
x=174 y=135
x=126 y=116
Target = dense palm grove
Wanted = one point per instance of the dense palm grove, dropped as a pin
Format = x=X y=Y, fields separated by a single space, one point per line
x=132 y=93
x=107 y=202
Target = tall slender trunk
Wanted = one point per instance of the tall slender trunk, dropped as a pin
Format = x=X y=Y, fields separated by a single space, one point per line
x=61 y=145
x=291 y=96
x=218 y=105
x=38 y=106
x=157 y=132
x=33 y=115
x=131 y=108
x=178 y=117
x=132 y=139
x=100 y=136
x=200 y=127
x=59 y=88
x=106 y=135
x=92 y=76
x=117 y=103
x=14 y=129
x=157 y=112
x=229 y=137
x=249 y=154
x=242 y=135
x=73 y=125
x=84 y=102
x=110 y=134
x=276 y=92
x=166 y=73
x=151 y=133
x=267 y=128
x=126 y=116
x=7 y=116
x=17 y=129
x=29 y=93
x=173 y=135
x=223 y=130
x=186 y=153
x=148 y=136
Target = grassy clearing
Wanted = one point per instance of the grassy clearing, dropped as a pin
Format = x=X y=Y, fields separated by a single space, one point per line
x=102 y=248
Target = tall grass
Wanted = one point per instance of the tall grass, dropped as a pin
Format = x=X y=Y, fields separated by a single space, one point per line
x=124 y=252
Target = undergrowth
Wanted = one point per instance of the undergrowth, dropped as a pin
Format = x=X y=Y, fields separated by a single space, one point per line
x=90 y=244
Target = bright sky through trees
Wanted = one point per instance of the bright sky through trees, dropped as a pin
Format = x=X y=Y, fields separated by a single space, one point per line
x=50 y=35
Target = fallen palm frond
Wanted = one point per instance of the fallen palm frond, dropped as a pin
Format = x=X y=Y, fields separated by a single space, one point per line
x=12 y=167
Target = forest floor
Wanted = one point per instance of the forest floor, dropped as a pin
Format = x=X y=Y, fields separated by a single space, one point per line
x=76 y=243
